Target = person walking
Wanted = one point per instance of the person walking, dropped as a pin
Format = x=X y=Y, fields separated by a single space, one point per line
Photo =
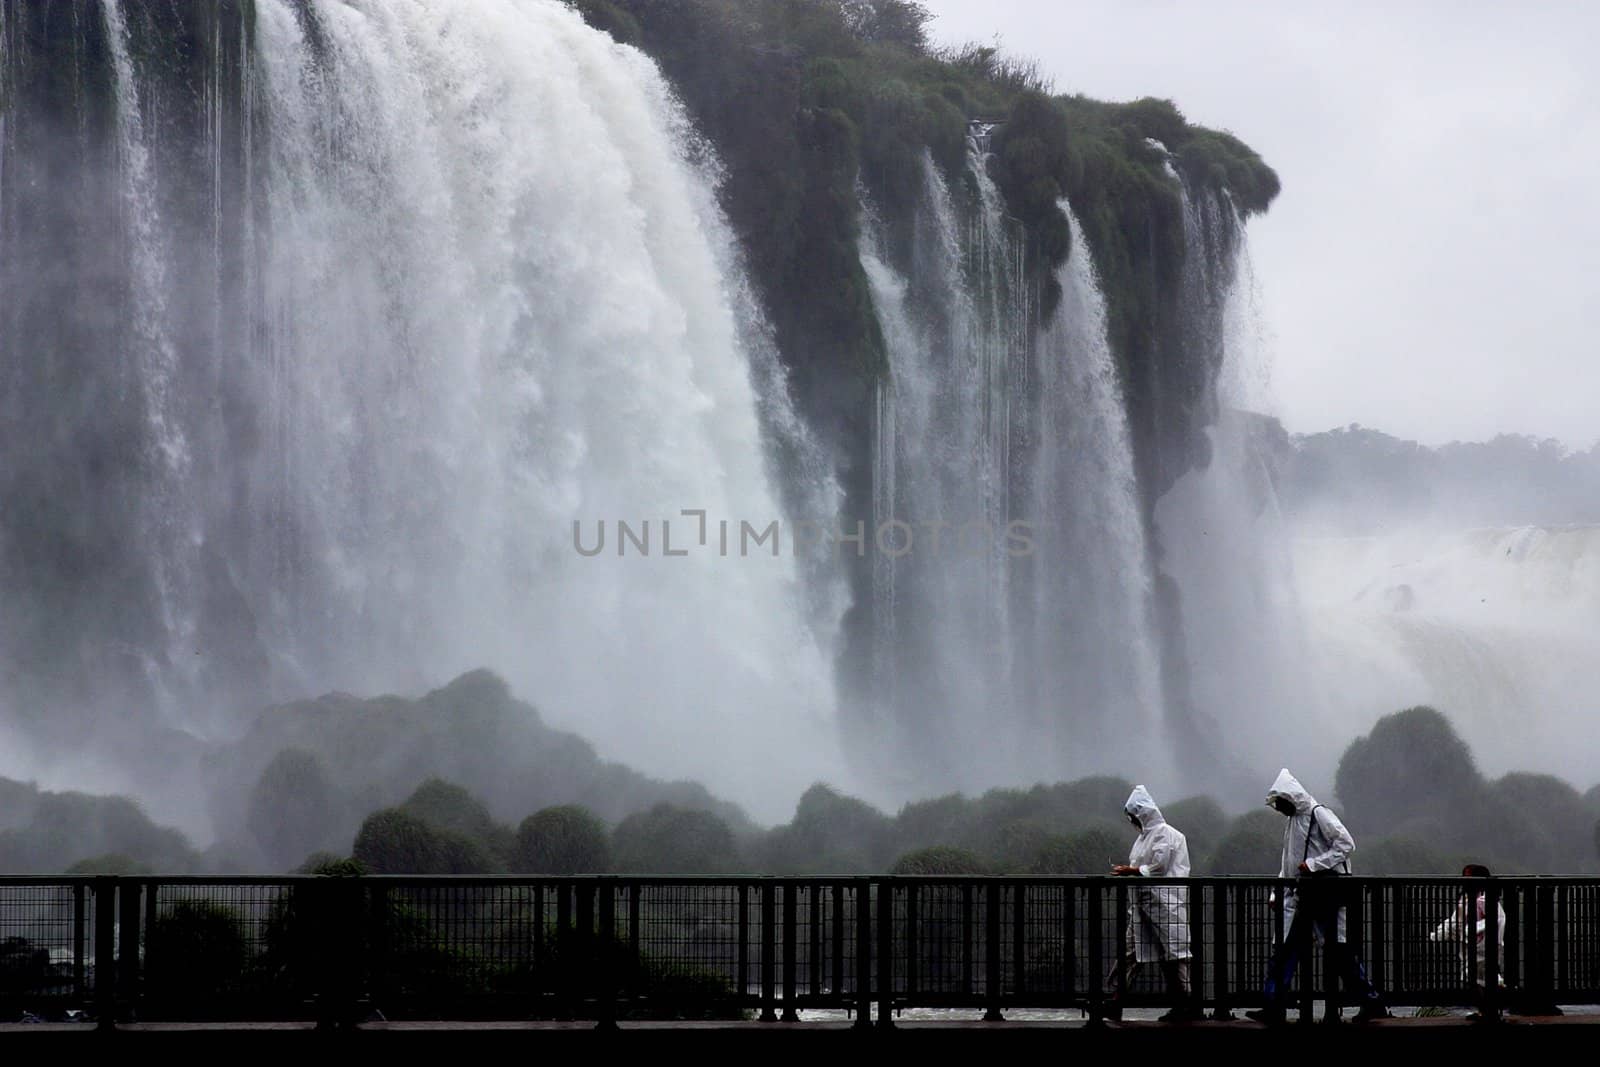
x=1316 y=853
x=1158 y=915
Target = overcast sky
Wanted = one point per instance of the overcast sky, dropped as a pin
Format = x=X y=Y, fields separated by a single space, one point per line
x=1430 y=268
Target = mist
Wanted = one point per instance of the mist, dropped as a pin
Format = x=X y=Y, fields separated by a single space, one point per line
x=535 y=404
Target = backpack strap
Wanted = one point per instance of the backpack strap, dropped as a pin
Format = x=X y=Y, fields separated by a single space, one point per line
x=1317 y=826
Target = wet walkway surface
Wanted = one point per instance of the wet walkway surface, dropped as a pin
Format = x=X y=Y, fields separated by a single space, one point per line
x=1432 y=1033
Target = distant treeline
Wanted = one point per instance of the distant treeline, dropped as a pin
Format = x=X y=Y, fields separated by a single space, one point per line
x=1356 y=479
x=1410 y=792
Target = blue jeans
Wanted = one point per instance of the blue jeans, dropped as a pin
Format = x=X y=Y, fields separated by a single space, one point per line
x=1321 y=907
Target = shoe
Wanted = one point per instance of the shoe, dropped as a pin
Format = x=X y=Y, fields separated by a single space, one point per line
x=1268 y=1016
x=1182 y=1015
x=1370 y=1012
x=1111 y=1013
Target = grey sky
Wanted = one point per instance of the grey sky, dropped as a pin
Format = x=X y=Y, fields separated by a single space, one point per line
x=1431 y=266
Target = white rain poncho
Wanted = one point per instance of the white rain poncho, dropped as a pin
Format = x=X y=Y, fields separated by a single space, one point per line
x=1470 y=933
x=1158 y=916
x=1315 y=837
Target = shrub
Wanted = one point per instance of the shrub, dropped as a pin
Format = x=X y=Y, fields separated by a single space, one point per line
x=1087 y=852
x=110 y=863
x=673 y=840
x=1252 y=845
x=332 y=865
x=1411 y=764
x=290 y=806
x=394 y=841
x=562 y=840
x=939 y=859
x=195 y=951
x=1202 y=822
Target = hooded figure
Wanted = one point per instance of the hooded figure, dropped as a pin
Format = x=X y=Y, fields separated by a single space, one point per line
x=1158 y=915
x=1314 y=837
x=1316 y=853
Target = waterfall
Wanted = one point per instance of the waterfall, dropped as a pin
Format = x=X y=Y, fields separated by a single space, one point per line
x=1239 y=640
x=1494 y=626
x=1096 y=662
x=1012 y=640
x=411 y=289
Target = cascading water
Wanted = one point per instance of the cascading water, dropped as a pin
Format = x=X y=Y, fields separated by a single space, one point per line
x=941 y=663
x=1096 y=665
x=411 y=290
x=1236 y=633
x=1494 y=626
x=1011 y=617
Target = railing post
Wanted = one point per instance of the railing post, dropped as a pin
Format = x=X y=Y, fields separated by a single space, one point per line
x=105 y=952
x=380 y=946
x=1348 y=896
x=863 y=953
x=1242 y=978
x=634 y=976
x=1069 y=940
x=541 y=977
x=769 y=951
x=790 y=947
x=814 y=955
x=1377 y=922
x=1545 y=938
x=339 y=915
x=584 y=889
x=967 y=947
x=743 y=990
x=991 y=951
x=1300 y=930
x=1019 y=940
x=1097 y=955
x=605 y=972
x=886 y=953
x=1219 y=953
x=912 y=940
x=566 y=949
x=1491 y=952
x=79 y=925
x=128 y=891
x=837 y=984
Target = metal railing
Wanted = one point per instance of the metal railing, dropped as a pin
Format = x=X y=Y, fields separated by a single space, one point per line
x=338 y=950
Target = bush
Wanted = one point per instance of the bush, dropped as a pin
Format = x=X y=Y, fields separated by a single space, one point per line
x=332 y=865
x=1411 y=764
x=1252 y=845
x=563 y=840
x=832 y=834
x=394 y=841
x=195 y=951
x=290 y=808
x=456 y=813
x=56 y=830
x=1088 y=852
x=930 y=822
x=1402 y=855
x=1202 y=823
x=673 y=840
x=1555 y=820
x=939 y=859
x=26 y=970
x=111 y=863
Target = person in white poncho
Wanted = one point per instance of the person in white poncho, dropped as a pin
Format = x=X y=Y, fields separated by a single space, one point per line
x=1468 y=926
x=1316 y=852
x=1158 y=915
